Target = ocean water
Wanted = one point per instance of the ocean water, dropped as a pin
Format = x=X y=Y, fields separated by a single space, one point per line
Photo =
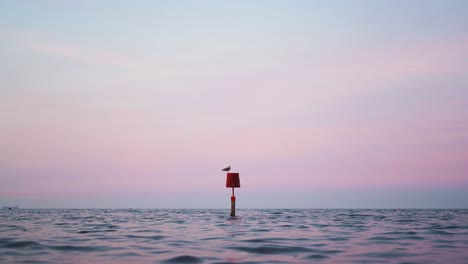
x=254 y=236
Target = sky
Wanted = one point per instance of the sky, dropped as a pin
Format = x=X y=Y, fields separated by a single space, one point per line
x=317 y=104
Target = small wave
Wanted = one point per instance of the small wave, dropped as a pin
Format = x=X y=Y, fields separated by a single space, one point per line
x=22 y=244
x=316 y=256
x=95 y=231
x=440 y=232
x=124 y=254
x=358 y=215
x=338 y=238
x=446 y=227
x=146 y=237
x=390 y=254
x=259 y=240
x=81 y=248
x=183 y=259
x=272 y=249
x=12 y=228
x=331 y=251
x=444 y=246
x=383 y=238
x=259 y=230
x=406 y=221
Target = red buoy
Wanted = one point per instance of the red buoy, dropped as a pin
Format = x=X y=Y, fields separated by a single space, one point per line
x=233 y=181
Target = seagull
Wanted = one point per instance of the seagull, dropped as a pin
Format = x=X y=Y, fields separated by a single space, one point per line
x=228 y=168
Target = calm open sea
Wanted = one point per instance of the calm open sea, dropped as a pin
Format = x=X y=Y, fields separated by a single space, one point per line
x=255 y=236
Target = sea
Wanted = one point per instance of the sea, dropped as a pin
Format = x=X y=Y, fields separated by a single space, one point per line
x=253 y=236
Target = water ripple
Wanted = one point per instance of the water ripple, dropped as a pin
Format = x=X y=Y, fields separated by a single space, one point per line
x=254 y=236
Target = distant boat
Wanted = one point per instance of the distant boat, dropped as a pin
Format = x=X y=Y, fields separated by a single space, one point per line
x=10 y=207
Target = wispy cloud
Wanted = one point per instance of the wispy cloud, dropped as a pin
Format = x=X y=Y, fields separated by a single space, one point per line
x=49 y=44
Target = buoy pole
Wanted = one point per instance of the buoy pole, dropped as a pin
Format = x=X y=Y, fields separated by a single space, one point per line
x=233 y=203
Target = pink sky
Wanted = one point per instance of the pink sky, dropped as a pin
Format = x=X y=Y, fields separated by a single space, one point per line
x=296 y=101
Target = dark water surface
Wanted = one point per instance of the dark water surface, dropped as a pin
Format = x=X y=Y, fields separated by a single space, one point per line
x=255 y=236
